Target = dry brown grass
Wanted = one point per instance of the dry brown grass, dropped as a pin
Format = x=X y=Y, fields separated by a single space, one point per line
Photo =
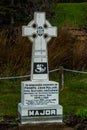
x=67 y=50
x=15 y=52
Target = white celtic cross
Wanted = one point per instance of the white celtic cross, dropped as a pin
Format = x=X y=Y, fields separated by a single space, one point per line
x=39 y=31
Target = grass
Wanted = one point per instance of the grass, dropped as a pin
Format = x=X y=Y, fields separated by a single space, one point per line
x=82 y=113
x=73 y=98
x=69 y=14
x=9 y=97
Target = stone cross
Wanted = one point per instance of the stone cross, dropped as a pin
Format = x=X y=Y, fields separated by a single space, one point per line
x=40 y=96
x=39 y=31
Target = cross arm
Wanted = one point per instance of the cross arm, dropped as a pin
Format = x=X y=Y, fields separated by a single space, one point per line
x=27 y=31
x=51 y=31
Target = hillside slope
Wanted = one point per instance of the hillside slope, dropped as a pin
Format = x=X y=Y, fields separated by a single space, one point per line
x=69 y=49
x=70 y=14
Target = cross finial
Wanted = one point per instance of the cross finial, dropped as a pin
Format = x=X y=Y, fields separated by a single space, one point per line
x=39 y=28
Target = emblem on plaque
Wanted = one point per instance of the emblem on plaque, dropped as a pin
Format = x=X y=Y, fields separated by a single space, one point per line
x=40 y=68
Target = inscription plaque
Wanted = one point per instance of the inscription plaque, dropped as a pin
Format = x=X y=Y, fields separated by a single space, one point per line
x=40 y=94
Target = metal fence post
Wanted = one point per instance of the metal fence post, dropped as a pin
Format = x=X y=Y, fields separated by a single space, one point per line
x=61 y=77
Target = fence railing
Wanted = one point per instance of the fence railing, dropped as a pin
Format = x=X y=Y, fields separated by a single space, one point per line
x=61 y=75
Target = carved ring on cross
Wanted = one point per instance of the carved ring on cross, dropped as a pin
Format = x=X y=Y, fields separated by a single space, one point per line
x=39 y=30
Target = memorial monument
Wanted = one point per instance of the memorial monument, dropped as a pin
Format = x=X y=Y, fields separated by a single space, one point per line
x=39 y=96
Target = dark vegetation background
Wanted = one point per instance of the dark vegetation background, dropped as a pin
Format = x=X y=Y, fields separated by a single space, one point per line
x=68 y=49
x=14 y=11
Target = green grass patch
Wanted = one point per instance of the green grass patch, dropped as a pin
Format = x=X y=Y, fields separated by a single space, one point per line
x=73 y=97
x=9 y=97
x=76 y=80
x=82 y=113
x=69 y=14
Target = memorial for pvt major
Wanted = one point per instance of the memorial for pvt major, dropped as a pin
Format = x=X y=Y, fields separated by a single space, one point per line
x=39 y=96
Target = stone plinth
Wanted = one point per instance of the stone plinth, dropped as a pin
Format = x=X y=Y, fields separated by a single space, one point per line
x=39 y=102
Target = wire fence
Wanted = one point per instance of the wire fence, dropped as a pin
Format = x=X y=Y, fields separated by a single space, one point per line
x=75 y=71
x=14 y=77
x=61 y=75
x=51 y=71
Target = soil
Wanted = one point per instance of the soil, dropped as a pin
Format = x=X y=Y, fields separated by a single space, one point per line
x=72 y=122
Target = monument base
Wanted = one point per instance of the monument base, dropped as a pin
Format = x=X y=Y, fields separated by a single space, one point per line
x=39 y=114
